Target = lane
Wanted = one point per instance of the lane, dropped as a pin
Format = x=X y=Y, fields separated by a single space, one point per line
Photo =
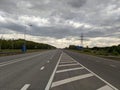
x=31 y=74
x=12 y=57
x=52 y=76
x=17 y=60
x=107 y=69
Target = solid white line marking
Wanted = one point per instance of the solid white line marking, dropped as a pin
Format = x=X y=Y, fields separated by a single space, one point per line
x=17 y=60
x=98 y=76
x=106 y=87
x=52 y=76
x=42 y=68
x=25 y=87
x=66 y=70
x=68 y=80
x=113 y=66
x=68 y=65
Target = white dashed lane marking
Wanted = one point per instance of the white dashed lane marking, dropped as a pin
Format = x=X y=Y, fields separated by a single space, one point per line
x=25 y=87
x=52 y=76
x=42 y=68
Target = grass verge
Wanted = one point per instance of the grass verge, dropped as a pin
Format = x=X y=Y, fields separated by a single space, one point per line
x=103 y=55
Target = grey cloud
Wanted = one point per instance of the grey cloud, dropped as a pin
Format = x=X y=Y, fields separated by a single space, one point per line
x=77 y=3
x=8 y=5
x=95 y=34
x=101 y=14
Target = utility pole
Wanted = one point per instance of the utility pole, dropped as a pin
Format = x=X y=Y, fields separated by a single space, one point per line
x=82 y=38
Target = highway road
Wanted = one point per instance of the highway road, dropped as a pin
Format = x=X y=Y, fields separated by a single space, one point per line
x=58 y=70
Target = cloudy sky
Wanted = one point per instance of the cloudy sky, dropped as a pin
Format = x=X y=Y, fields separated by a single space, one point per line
x=61 y=22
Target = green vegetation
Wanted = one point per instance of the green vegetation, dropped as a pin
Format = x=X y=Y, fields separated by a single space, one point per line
x=112 y=52
x=16 y=45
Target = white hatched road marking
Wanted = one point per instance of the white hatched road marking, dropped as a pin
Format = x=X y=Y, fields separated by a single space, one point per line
x=72 y=69
x=68 y=65
x=68 y=62
x=25 y=87
x=68 y=80
x=52 y=76
x=110 y=85
x=106 y=87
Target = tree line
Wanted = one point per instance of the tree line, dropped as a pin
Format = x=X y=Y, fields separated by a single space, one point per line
x=17 y=44
x=112 y=50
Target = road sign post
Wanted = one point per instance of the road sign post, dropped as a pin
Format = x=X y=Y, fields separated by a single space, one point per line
x=24 y=49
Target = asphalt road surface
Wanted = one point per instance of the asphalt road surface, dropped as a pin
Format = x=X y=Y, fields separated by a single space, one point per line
x=58 y=70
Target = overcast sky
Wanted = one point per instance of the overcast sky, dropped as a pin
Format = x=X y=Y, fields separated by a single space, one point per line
x=61 y=22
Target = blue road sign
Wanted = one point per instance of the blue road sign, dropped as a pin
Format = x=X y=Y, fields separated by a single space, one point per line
x=24 y=48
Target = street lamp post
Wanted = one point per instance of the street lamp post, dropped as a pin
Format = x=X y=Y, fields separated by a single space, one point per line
x=24 y=44
x=1 y=42
x=25 y=36
x=24 y=48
